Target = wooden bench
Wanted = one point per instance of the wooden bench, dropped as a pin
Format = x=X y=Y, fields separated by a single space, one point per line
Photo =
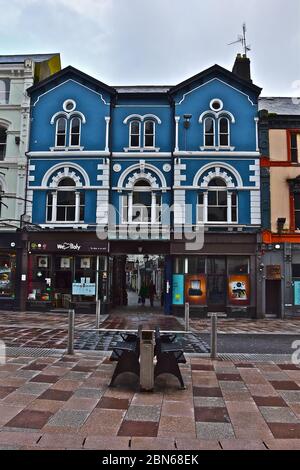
x=127 y=354
x=169 y=354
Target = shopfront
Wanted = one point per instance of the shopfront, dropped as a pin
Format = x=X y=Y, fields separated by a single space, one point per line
x=67 y=270
x=220 y=278
x=10 y=277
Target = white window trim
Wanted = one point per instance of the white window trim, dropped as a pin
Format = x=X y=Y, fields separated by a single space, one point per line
x=214 y=133
x=219 y=132
x=151 y=147
x=130 y=134
x=54 y=206
x=56 y=133
x=218 y=101
x=70 y=132
x=129 y=198
x=205 y=206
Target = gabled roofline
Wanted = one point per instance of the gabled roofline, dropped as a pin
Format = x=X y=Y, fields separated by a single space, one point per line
x=215 y=69
x=62 y=73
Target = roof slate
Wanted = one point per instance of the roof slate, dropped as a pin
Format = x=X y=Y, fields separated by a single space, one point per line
x=280 y=105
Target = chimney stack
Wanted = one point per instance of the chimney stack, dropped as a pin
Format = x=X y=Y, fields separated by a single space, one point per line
x=241 y=67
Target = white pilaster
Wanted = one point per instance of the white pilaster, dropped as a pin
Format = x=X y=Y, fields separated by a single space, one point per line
x=177 y=119
x=107 y=120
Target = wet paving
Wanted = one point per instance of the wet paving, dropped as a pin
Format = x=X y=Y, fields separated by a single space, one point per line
x=106 y=341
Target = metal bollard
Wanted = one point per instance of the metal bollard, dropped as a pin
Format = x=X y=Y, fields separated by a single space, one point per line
x=187 y=316
x=214 y=337
x=98 y=313
x=71 y=332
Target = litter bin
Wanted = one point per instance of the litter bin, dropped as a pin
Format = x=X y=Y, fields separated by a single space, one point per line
x=147 y=360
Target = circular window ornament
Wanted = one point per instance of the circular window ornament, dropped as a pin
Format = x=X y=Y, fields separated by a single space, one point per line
x=216 y=104
x=167 y=167
x=117 y=168
x=69 y=106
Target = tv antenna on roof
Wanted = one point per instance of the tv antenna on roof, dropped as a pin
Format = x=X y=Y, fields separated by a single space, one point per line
x=242 y=39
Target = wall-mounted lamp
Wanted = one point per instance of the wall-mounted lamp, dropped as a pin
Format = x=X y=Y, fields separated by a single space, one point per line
x=187 y=120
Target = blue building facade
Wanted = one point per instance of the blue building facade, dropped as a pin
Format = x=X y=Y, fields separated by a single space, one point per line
x=167 y=171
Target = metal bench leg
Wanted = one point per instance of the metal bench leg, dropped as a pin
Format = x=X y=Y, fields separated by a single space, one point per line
x=128 y=362
x=167 y=364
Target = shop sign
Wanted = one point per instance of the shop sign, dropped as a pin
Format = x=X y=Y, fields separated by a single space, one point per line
x=178 y=289
x=195 y=289
x=84 y=288
x=68 y=246
x=297 y=292
x=273 y=272
x=239 y=289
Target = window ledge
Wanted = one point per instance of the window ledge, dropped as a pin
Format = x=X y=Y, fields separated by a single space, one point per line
x=218 y=148
x=141 y=149
x=66 y=149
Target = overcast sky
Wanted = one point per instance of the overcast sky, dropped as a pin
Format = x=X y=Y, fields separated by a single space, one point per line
x=158 y=41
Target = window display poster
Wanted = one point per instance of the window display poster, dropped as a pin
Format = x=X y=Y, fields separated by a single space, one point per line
x=195 y=289
x=65 y=263
x=297 y=292
x=239 y=290
x=83 y=289
x=178 y=289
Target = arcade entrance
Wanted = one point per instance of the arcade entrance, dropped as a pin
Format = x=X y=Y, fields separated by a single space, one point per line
x=139 y=283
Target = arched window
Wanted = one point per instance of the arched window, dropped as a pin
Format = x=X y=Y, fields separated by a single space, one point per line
x=3 y=138
x=61 y=132
x=217 y=204
x=149 y=134
x=224 y=140
x=209 y=132
x=135 y=134
x=142 y=205
x=75 y=130
x=65 y=204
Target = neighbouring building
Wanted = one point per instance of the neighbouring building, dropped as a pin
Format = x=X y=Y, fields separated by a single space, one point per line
x=280 y=181
x=17 y=73
x=107 y=163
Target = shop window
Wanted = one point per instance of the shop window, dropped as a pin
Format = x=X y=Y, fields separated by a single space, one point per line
x=296 y=270
x=65 y=204
x=196 y=265
x=216 y=265
x=7 y=275
x=179 y=265
x=297 y=210
x=238 y=265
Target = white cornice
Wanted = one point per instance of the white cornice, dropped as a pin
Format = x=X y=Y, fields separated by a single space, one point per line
x=70 y=153
x=218 y=154
x=141 y=154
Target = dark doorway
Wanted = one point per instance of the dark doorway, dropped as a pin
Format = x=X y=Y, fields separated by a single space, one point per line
x=273 y=298
x=216 y=284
